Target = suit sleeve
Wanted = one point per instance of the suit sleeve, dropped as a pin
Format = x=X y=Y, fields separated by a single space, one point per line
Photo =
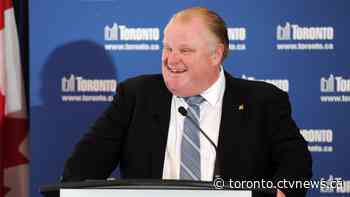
x=97 y=154
x=291 y=157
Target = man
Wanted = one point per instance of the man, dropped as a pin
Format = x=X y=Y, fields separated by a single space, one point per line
x=249 y=123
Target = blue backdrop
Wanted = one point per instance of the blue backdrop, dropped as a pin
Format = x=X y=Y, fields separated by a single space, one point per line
x=81 y=49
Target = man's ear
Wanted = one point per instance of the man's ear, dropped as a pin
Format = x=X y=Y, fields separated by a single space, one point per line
x=218 y=54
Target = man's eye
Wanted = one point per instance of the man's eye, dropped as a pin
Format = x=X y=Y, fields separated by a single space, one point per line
x=186 y=50
x=167 y=49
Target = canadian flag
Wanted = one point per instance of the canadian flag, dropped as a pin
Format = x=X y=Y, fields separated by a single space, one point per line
x=14 y=172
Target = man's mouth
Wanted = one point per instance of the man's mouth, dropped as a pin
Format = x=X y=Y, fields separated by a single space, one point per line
x=176 y=69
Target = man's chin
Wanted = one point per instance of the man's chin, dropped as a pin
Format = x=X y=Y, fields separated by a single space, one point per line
x=181 y=92
x=179 y=88
x=175 y=90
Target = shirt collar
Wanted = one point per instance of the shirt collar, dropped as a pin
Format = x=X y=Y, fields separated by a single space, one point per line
x=213 y=93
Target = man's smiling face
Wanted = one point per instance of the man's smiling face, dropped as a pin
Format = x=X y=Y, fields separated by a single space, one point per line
x=188 y=63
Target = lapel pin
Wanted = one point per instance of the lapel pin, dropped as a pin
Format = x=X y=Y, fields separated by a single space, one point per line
x=241 y=107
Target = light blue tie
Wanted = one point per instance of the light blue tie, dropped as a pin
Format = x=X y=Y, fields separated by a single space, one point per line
x=190 y=167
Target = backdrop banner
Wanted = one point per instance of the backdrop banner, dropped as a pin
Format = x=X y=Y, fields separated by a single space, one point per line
x=81 y=49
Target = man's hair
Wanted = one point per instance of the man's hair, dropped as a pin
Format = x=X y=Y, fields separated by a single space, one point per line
x=216 y=25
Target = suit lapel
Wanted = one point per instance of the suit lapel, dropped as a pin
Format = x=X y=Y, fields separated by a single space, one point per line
x=231 y=123
x=161 y=104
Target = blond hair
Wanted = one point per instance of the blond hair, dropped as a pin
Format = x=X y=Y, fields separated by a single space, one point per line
x=216 y=25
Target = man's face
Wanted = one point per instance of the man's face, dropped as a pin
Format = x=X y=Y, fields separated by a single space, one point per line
x=189 y=63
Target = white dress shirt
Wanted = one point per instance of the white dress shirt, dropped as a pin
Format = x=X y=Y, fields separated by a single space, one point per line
x=210 y=116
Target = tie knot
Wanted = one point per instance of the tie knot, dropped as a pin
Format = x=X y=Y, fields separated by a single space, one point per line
x=194 y=100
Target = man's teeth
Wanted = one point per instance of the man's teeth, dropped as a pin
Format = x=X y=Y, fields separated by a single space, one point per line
x=177 y=70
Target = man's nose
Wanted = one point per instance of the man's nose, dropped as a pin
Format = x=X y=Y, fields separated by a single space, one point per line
x=173 y=58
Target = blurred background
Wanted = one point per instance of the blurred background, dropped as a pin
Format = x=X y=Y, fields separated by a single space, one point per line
x=67 y=47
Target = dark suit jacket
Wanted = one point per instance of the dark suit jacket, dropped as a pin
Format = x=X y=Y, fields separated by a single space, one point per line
x=259 y=142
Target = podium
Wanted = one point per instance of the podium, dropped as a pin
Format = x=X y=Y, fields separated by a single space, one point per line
x=143 y=188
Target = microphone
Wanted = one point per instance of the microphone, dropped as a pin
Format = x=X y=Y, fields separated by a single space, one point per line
x=183 y=112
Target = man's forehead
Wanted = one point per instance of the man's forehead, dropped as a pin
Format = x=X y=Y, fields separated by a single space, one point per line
x=187 y=31
x=180 y=38
x=178 y=31
x=178 y=44
x=187 y=22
